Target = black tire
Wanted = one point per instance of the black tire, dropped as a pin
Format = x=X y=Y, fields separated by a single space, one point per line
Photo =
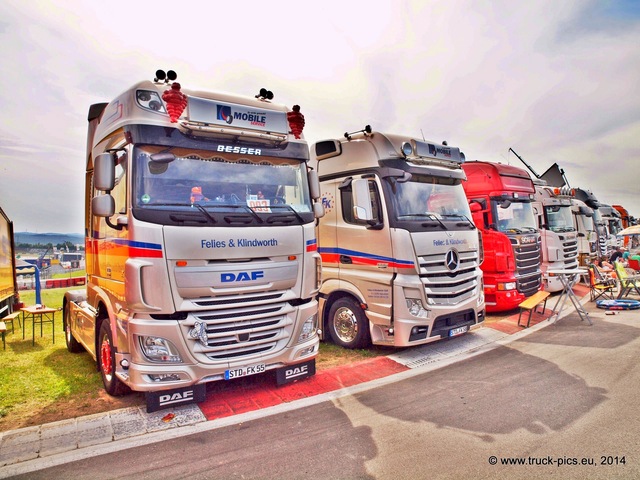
x=348 y=325
x=106 y=357
x=72 y=344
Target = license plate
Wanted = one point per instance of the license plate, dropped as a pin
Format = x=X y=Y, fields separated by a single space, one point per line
x=244 y=371
x=458 y=331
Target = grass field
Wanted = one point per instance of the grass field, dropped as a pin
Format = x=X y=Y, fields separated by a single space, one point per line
x=44 y=382
x=35 y=378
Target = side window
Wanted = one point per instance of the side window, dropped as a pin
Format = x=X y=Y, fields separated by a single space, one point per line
x=99 y=227
x=347 y=205
x=119 y=191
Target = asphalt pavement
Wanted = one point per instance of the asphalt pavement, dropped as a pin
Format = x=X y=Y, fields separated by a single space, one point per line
x=35 y=447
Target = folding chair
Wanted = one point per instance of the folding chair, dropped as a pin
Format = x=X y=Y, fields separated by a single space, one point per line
x=628 y=283
x=599 y=286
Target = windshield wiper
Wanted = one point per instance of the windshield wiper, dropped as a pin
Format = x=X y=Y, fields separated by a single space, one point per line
x=460 y=215
x=435 y=217
x=204 y=210
x=290 y=208
x=246 y=208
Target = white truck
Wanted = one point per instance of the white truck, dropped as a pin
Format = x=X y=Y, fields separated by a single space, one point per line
x=552 y=207
x=590 y=200
x=201 y=250
x=583 y=221
x=613 y=224
x=401 y=257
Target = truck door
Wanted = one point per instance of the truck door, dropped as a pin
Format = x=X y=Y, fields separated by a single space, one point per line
x=366 y=256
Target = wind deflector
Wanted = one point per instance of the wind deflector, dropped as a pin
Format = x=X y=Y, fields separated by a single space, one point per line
x=554 y=176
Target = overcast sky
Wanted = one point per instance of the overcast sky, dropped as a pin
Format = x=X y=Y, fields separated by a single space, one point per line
x=556 y=81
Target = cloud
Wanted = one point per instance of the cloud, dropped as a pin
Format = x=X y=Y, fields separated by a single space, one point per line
x=555 y=81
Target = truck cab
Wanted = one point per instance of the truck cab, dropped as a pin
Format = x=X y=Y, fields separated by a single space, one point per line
x=400 y=254
x=552 y=207
x=583 y=217
x=500 y=197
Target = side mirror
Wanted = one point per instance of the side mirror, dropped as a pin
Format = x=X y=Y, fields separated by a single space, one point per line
x=314 y=185
x=103 y=205
x=475 y=207
x=318 y=210
x=104 y=172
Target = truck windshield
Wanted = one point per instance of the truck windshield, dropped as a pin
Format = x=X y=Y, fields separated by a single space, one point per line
x=427 y=196
x=559 y=218
x=515 y=217
x=178 y=178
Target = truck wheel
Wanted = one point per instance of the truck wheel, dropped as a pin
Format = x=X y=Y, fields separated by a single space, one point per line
x=72 y=344
x=107 y=362
x=348 y=325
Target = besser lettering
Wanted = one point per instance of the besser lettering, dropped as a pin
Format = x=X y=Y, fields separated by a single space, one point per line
x=241 y=277
x=242 y=150
x=176 y=397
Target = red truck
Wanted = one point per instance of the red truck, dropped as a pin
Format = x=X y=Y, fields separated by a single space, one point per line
x=500 y=199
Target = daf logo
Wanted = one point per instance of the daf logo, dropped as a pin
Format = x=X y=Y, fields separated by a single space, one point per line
x=451 y=260
x=241 y=276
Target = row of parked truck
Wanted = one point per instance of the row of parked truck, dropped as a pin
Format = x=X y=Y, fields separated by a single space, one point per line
x=529 y=228
x=219 y=244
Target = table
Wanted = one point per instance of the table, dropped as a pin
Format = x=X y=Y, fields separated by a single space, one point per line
x=39 y=314
x=568 y=278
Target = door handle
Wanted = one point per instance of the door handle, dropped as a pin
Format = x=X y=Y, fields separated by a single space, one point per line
x=345 y=259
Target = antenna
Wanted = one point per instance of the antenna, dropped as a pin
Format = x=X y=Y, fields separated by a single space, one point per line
x=527 y=165
x=422 y=133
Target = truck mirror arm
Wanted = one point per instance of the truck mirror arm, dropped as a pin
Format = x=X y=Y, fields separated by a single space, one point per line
x=121 y=222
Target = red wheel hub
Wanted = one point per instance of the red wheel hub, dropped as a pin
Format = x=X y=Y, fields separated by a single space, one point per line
x=105 y=356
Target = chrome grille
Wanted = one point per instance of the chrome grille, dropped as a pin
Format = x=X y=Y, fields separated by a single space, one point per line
x=444 y=287
x=243 y=331
x=570 y=252
x=528 y=258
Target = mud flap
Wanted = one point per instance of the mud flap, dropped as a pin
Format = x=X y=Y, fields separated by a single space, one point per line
x=176 y=397
x=295 y=372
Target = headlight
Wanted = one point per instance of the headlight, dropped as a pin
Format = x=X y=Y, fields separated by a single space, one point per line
x=158 y=349
x=150 y=100
x=415 y=307
x=309 y=328
x=507 y=286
